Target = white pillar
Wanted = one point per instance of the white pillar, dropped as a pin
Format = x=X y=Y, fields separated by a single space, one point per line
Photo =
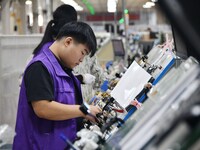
x=5 y=22
x=35 y=16
x=49 y=4
x=23 y=16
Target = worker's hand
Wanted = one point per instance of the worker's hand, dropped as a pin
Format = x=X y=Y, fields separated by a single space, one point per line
x=88 y=78
x=94 y=110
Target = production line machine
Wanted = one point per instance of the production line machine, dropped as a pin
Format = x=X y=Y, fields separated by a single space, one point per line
x=168 y=112
x=151 y=93
x=157 y=63
x=170 y=118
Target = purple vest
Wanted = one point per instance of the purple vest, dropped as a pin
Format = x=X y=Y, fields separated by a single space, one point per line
x=34 y=133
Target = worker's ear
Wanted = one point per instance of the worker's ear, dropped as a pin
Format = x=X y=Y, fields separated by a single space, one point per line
x=68 y=41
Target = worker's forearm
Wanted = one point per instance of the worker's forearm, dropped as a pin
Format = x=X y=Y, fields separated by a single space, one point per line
x=52 y=110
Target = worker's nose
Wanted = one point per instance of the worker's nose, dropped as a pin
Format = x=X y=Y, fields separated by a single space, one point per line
x=81 y=59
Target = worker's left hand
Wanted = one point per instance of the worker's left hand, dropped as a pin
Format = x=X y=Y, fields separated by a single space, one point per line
x=94 y=110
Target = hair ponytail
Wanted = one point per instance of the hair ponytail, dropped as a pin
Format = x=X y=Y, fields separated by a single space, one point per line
x=47 y=36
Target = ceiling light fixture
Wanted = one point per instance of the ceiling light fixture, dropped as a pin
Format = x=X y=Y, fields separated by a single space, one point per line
x=112 y=6
x=148 y=5
x=28 y=2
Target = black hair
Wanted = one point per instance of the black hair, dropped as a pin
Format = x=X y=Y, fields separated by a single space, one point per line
x=62 y=15
x=81 y=33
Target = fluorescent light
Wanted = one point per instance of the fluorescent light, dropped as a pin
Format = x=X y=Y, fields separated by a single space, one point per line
x=148 y=5
x=74 y=4
x=28 y=2
x=112 y=5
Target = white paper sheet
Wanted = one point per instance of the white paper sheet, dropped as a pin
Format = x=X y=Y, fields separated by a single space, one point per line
x=130 y=85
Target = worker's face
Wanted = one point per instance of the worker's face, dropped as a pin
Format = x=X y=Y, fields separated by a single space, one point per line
x=73 y=53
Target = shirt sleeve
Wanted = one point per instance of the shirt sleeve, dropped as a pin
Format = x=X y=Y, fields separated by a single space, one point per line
x=80 y=78
x=38 y=83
